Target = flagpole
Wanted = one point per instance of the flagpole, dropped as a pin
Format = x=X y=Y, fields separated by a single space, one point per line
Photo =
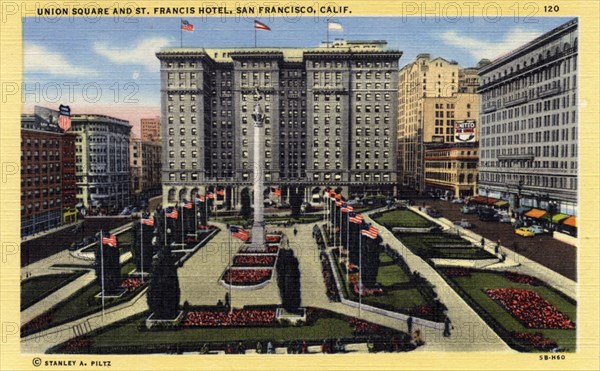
x=182 y=240
x=360 y=288
x=348 y=247
x=181 y=31
x=255 y=35
x=340 y=223
x=230 y=272
x=196 y=219
x=328 y=33
x=142 y=246
x=102 y=271
x=165 y=218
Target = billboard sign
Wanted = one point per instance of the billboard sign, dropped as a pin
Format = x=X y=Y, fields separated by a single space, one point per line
x=464 y=131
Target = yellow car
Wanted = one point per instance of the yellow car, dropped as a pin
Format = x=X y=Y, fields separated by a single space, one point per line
x=524 y=232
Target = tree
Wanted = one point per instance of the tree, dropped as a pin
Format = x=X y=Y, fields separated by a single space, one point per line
x=147 y=233
x=164 y=293
x=296 y=200
x=108 y=267
x=246 y=208
x=370 y=260
x=288 y=280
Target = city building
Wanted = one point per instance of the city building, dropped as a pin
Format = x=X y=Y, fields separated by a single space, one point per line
x=145 y=168
x=330 y=119
x=434 y=96
x=150 y=129
x=102 y=161
x=47 y=178
x=529 y=123
x=451 y=170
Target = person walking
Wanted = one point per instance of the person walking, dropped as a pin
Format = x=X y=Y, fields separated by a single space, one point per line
x=447 y=327
x=482 y=243
x=269 y=348
x=409 y=324
x=497 y=249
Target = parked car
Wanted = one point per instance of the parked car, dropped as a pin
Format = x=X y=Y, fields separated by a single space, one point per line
x=445 y=198
x=536 y=229
x=464 y=223
x=469 y=209
x=458 y=200
x=433 y=213
x=524 y=232
x=504 y=218
x=488 y=215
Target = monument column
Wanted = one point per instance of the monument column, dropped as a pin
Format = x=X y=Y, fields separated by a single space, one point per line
x=258 y=228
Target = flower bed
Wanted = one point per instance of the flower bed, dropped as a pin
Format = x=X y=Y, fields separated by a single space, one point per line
x=522 y=278
x=360 y=327
x=368 y=291
x=530 y=308
x=273 y=239
x=457 y=272
x=131 y=284
x=244 y=317
x=421 y=310
x=270 y=249
x=536 y=340
x=246 y=277
x=330 y=286
x=254 y=260
x=78 y=344
x=40 y=322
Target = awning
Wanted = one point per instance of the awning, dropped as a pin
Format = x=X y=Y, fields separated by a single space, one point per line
x=522 y=210
x=558 y=217
x=491 y=200
x=536 y=213
x=501 y=203
x=478 y=199
x=570 y=221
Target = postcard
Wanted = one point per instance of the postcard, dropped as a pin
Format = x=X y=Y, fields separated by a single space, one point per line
x=299 y=185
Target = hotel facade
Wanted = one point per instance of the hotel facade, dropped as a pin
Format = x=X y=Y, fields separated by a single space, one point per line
x=529 y=123
x=330 y=119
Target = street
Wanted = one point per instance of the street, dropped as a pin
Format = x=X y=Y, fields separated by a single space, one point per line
x=551 y=253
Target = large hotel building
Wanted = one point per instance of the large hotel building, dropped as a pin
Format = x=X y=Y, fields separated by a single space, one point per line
x=330 y=119
x=529 y=122
x=436 y=95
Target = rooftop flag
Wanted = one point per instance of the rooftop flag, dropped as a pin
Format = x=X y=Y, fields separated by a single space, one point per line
x=334 y=26
x=187 y=26
x=64 y=117
x=187 y=204
x=261 y=26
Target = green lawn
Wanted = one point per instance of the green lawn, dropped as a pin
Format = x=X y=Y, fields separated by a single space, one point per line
x=441 y=245
x=37 y=288
x=403 y=218
x=82 y=302
x=130 y=335
x=400 y=294
x=476 y=285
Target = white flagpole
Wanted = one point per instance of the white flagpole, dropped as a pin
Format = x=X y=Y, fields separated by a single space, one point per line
x=196 y=219
x=102 y=271
x=340 y=226
x=230 y=273
x=348 y=248
x=142 y=246
x=182 y=228
x=328 y=33
x=360 y=288
x=165 y=218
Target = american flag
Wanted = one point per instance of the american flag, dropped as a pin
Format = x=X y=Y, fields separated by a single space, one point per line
x=239 y=232
x=148 y=221
x=187 y=26
x=187 y=204
x=370 y=232
x=210 y=196
x=276 y=191
x=200 y=198
x=173 y=214
x=338 y=203
x=355 y=218
x=64 y=117
x=346 y=208
x=261 y=26
x=110 y=240
x=220 y=192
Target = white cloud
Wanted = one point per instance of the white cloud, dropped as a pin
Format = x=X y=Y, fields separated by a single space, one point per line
x=489 y=49
x=141 y=53
x=38 y=58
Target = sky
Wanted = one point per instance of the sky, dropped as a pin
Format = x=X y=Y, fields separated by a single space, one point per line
x=107 y=65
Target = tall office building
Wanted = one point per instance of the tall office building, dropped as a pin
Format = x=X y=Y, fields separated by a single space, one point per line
x=529 y=123
x=434 y=96
x=330 y=119
x=150 y=129
x=102 y=161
